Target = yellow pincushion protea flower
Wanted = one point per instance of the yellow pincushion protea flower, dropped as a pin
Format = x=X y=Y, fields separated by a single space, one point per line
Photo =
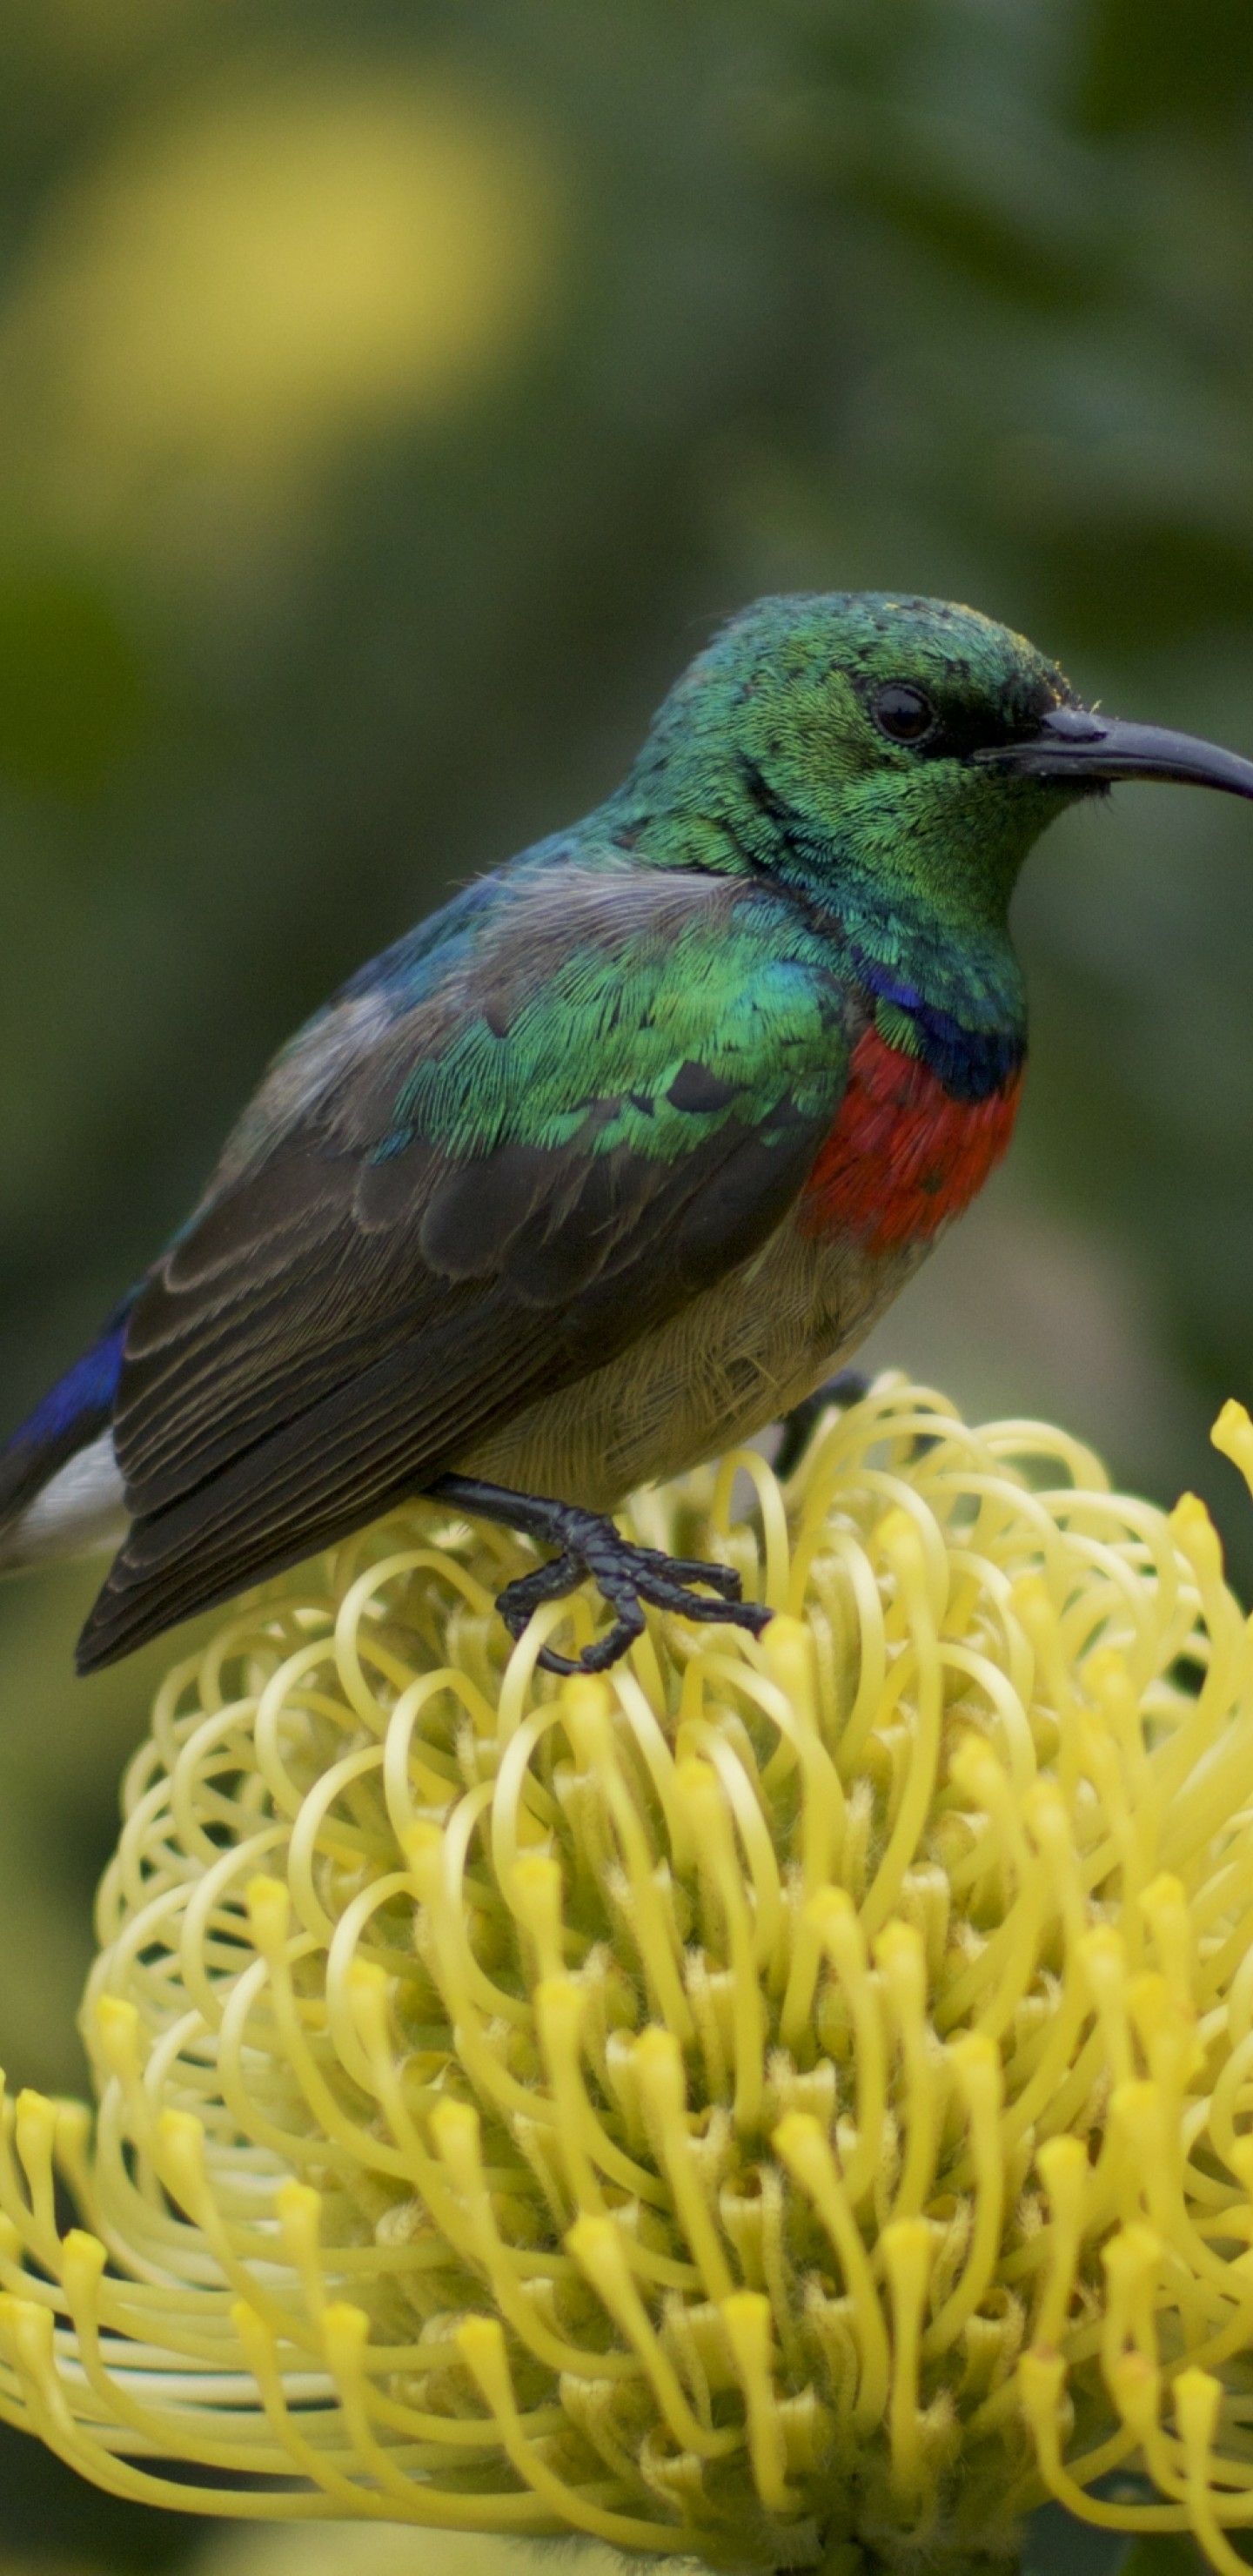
x=782 y=2103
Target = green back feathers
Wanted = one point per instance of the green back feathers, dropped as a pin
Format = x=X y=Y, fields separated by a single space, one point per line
x=602 y=1046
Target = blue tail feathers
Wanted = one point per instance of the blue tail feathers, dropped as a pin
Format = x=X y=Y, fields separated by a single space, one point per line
x=73 y=1412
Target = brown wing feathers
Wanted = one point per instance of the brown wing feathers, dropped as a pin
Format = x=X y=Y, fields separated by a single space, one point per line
x=266 y=1412
x=341 y=1321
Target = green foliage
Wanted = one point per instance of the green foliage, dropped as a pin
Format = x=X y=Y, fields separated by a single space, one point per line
x=71 y=691
x=1152 y=64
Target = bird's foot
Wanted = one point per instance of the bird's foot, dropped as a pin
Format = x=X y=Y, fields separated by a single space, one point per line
x=847 y=1387
x=625 y=1574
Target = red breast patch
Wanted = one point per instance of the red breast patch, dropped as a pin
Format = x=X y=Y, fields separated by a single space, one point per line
x=903 y=1156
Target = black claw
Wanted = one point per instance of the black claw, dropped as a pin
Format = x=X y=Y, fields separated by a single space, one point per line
x=597 y=1657
x=722 y=1579
x=627 y=1576
x=847 y=1387
x=521 y=1598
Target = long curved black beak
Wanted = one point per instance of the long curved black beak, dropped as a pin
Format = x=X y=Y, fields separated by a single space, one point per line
x=1076 y=743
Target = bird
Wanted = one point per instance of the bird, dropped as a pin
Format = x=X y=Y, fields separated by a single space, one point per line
x=616 y=1157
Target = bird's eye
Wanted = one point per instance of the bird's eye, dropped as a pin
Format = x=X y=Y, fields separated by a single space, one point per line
x=902 y=713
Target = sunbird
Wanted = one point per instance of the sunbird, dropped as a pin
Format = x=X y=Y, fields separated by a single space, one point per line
x=616 y=1157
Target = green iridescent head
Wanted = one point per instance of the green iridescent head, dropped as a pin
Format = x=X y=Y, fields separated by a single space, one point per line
x=878 y=749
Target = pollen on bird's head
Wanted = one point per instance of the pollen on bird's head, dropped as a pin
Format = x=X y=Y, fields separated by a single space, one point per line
x=783 y=2103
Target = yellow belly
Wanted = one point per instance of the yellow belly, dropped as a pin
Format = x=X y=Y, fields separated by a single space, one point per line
x=732 y=1361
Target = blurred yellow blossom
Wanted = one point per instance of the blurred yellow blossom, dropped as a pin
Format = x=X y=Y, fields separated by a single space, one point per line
x=282 y=262
x=784 y=2103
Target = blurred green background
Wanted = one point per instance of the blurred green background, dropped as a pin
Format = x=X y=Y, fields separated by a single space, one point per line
x=392 y=394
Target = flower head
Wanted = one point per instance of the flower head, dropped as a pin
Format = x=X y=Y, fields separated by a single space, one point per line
x=785 y=2101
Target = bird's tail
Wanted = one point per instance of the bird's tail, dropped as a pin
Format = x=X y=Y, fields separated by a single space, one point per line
x=60 y=1489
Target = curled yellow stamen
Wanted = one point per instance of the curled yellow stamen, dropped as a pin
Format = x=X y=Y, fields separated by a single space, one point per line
x=791 y=2095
